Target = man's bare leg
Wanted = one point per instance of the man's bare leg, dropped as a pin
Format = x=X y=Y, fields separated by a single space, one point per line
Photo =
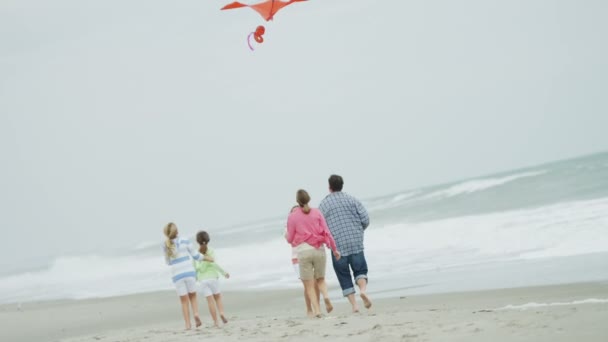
x=362 y=283
x=353 y=302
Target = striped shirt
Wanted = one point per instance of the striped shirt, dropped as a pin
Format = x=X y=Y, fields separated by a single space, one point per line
x=347 y=219
x=180 y=263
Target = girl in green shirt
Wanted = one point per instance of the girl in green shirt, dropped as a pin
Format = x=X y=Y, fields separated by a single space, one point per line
x=207 y=274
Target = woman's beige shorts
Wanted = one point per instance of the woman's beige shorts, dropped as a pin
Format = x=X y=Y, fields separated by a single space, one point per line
x=312 y=263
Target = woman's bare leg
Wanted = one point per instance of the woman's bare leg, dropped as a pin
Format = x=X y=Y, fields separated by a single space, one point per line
x=220 y=306
x=322 y=288
x=194 y=305
x=307 y=300
x=185 y=311
x=309 y=285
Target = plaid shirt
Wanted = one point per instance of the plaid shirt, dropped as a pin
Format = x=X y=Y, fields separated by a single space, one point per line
x=347 y=219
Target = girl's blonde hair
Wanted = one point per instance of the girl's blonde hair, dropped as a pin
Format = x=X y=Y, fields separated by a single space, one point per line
x=303 y=198
x=170 y=231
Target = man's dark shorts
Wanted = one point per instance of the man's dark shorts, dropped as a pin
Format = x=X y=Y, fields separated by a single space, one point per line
x=357 y=263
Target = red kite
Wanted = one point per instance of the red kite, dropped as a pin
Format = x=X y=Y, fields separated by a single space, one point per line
x=266 y=9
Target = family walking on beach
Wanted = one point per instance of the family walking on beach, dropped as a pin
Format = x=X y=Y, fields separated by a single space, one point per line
x=338 y=224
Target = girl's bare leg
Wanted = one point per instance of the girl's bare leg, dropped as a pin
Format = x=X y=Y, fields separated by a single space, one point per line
x=212 y=311
x=309 y=285
x=322 y=288
x=194 y=305
x=220 y=306
x=185 y=311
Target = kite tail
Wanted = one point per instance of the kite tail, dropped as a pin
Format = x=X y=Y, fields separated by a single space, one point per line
x=249 y=40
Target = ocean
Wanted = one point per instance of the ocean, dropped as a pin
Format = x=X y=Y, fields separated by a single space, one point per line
x=540 y=225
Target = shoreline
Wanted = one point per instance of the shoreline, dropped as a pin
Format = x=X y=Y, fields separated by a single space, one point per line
x=275 y=315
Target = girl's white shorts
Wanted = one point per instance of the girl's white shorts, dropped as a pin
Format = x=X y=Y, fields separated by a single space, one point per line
x=209 y=287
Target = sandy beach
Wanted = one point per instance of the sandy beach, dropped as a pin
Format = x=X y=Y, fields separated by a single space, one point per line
x=549 y=313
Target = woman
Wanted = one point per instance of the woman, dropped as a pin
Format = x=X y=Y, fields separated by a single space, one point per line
x=307 y=231
x=296 y=267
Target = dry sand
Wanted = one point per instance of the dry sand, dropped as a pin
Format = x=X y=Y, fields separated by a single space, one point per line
x=578 y=312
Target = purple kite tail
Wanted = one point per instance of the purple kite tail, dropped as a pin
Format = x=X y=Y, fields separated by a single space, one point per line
x=249 y=40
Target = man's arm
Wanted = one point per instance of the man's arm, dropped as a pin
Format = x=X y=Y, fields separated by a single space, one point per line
x=363 y=215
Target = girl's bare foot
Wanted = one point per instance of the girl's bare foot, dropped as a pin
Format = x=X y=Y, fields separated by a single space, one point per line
x=328 y=305
x=355 y=309
x=309 y=314
x=223 y=318
x=366 y=301
x=198 y=321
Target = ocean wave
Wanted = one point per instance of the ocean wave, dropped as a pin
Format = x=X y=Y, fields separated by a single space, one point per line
x=476 y=185
x=534 y=305
x=564 y=229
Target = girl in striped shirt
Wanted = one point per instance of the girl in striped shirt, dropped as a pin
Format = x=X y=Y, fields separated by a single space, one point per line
x=178 y=251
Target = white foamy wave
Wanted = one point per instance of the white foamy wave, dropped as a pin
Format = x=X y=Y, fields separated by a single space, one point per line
x=565 y=229
x=97 y=276
x=534 y=305
x=387 y=203
x=87 y=276
x=146 y=245
x=480 y=184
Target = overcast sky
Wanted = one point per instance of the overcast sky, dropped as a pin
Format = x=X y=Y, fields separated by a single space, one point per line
x=117 y=116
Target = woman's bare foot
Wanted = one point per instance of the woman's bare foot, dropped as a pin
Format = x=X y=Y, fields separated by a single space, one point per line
x=366 y=301
x=198 y=322
x=328 y=305
x=309 y=314
x=223 y=318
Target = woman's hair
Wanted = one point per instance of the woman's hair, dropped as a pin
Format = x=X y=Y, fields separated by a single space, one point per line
x=203 y=239
x=170 y=231
x=303 y=198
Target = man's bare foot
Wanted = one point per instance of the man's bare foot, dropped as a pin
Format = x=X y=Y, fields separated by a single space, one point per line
x=328 y=305
x=366 y=301
x=355 y=309
x=223 y=318
x=198 y=321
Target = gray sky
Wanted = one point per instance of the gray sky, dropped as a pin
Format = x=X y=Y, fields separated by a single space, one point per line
x=117 y=116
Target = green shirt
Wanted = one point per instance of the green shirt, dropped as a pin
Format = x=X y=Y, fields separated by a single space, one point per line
x=208 y=270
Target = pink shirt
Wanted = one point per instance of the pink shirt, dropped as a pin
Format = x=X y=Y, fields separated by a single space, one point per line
x=310 y=228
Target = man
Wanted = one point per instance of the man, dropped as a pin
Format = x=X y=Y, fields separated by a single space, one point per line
x=347 y=220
